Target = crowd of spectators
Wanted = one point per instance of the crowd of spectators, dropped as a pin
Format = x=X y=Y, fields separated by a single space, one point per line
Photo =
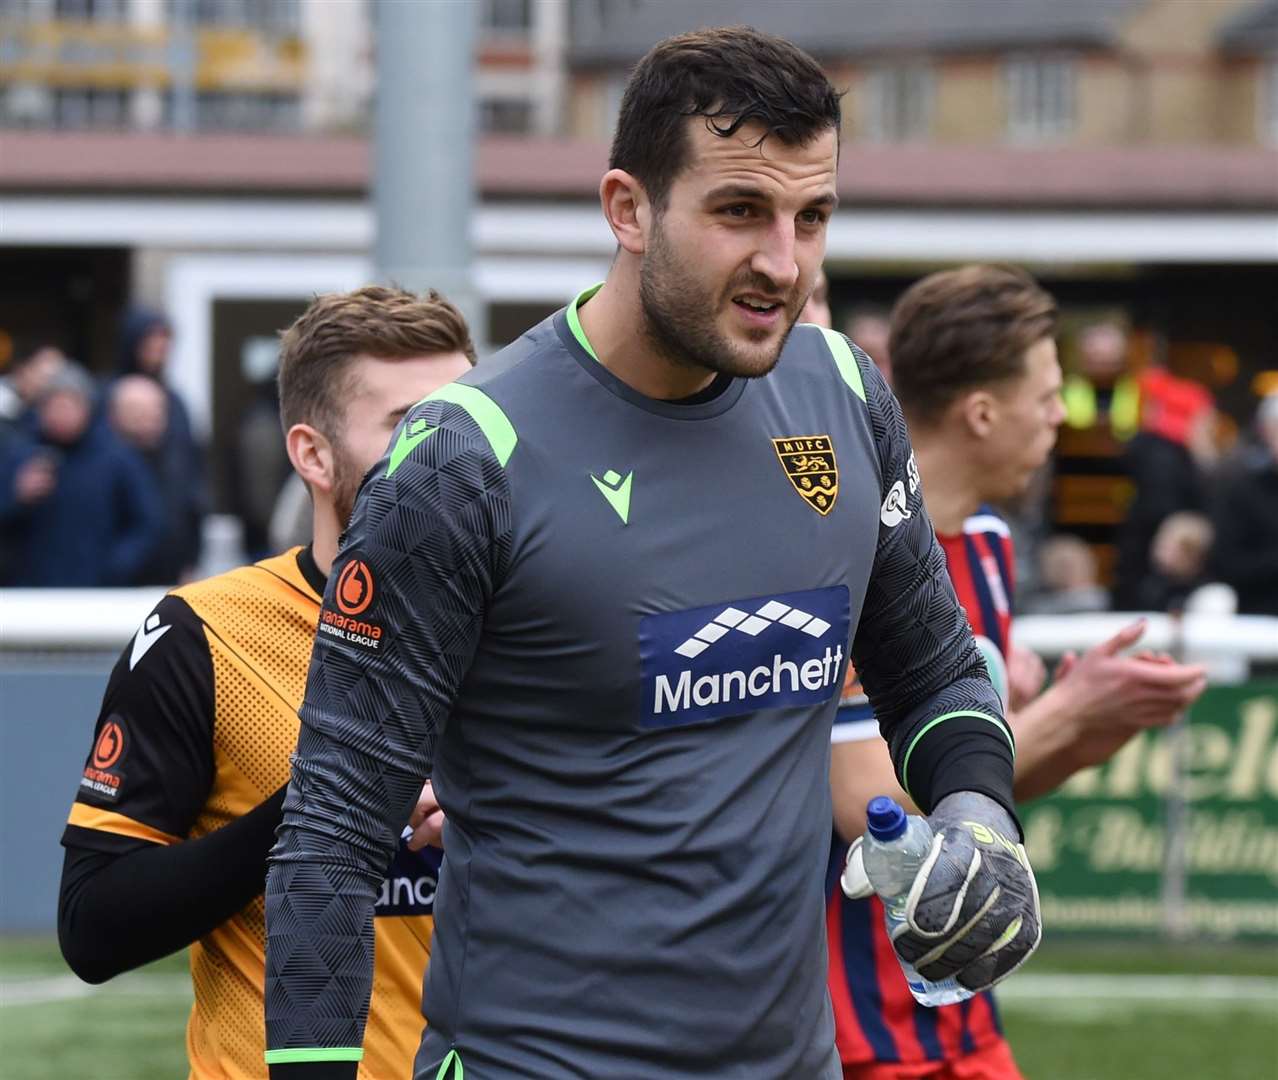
x=101 y=482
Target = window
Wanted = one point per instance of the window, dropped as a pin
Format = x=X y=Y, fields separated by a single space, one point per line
x=247 y=112
x=82 y=110
x=26 y=105
x=105 y=10
x=899 y=102
x=506 y=16
x=1268 y=118
x=506 y=116
x=279 y=16
x=1040 y=98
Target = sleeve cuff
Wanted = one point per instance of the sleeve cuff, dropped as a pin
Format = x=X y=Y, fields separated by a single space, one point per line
x=967 y=750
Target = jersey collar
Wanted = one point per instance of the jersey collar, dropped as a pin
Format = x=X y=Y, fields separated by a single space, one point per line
x=568 y=324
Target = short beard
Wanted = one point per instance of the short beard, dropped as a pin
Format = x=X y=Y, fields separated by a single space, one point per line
x=346 y=481
x=679 y=316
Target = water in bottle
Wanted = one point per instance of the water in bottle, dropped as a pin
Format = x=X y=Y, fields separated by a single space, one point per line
x=895 y=846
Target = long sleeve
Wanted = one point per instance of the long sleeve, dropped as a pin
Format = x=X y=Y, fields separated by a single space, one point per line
x=186 y=889
x=914 y=648
x=426 y=547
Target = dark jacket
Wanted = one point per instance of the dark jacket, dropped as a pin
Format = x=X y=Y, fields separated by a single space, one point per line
x=1167 y=480
x=1245 y=514
x=100 y=525
x=177 y=465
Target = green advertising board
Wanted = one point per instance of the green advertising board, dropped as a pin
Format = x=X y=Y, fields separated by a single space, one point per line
x=1098 y=844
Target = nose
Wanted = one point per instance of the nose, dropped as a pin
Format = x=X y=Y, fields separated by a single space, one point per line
x=1057 y=414
x=775 y=257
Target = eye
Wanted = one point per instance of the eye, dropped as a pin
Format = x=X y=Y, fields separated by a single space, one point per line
x=740 y=211
x=812 y=217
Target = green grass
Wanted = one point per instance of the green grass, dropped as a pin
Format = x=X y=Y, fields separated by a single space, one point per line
x=133 y=1029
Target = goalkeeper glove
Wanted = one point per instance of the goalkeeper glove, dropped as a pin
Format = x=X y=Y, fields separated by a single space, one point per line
x=972 y=911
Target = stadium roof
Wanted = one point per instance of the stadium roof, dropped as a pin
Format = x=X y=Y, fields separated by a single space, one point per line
x=1252 y=31
x=519 y=168
x=609 y=33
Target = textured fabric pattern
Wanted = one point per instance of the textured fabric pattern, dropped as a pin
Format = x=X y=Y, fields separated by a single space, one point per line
x=620 y=897
x=371 y=717
x=914 y=649
x=208 y=715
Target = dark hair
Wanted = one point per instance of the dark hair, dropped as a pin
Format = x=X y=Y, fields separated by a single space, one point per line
x=732 y=76
x=964 y=328
x=386 y=323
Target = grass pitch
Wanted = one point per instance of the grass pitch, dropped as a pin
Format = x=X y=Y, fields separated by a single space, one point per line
x=1076 y=1013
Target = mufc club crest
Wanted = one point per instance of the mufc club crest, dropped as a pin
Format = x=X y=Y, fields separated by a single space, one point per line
x=808 y=460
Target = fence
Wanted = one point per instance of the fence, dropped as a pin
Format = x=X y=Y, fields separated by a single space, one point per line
x=1177 y=833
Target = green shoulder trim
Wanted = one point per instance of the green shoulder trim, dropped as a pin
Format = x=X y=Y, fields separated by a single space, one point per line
x=905 y=767
x=496 y=427
x=315 y=1053
x=844 y=360
x=574 y=320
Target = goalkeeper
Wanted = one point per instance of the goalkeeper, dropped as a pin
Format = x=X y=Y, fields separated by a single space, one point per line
x=609 y=582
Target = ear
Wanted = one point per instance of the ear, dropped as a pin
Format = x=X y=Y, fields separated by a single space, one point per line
x=979 y=410
x=626 y=209
x=312 y=456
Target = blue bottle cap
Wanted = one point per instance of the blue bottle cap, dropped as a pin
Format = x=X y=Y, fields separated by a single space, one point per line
x=885 y=818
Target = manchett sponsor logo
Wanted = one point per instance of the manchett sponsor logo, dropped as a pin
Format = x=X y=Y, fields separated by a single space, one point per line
x=763 y=653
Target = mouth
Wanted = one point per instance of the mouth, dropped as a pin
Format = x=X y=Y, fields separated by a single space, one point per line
x=759 y=311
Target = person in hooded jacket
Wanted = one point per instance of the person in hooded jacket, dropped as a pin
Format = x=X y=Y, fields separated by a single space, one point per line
x=146 y=338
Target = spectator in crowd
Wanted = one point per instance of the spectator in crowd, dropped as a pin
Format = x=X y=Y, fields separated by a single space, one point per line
x=1245 y=511
x=259 y=463
x=146 y=340
x=1177 y=561
x=1068 y=575
x=88 y=514
x=868 y=327
x=22 y=383
x=1166 y=462
x=1102 y=393
x=817 y=309
x=138 y=412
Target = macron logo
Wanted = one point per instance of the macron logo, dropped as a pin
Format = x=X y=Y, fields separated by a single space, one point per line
x=148 y=634
x=730 y=619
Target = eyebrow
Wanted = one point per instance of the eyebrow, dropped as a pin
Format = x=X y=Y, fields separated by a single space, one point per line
x=400 y=413
x=748 y=191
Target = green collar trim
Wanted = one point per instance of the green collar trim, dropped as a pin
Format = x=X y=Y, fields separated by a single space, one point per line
x=574 y=322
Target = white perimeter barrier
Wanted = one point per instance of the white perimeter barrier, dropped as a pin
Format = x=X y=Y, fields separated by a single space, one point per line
x=104 y=619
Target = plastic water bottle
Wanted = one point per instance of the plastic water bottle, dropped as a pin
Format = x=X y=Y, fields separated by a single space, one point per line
x=895 y=846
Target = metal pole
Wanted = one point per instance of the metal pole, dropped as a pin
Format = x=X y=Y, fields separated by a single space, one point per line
x=182 y=63
x=423 y=161
x=1176 y=813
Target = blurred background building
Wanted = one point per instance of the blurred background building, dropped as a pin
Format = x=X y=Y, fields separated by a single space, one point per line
x=209 y=159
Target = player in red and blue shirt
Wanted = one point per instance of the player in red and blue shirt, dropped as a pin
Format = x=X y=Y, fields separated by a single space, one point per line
x=974 y=366
x=876 y=1018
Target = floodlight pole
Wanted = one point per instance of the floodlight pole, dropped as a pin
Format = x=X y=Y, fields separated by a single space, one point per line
x=423 y=158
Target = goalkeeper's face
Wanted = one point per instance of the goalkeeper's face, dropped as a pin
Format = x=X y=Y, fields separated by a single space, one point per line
x=1026 y=412
x=378 y=393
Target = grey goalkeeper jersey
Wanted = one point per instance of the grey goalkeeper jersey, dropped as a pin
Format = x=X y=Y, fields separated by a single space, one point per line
x=613 y=631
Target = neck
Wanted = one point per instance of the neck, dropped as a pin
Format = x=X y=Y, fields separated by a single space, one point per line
x=614 y=323
x=325 y=532
x=949 y=482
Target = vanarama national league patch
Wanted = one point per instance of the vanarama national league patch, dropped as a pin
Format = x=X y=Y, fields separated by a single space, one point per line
x=347 y=614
